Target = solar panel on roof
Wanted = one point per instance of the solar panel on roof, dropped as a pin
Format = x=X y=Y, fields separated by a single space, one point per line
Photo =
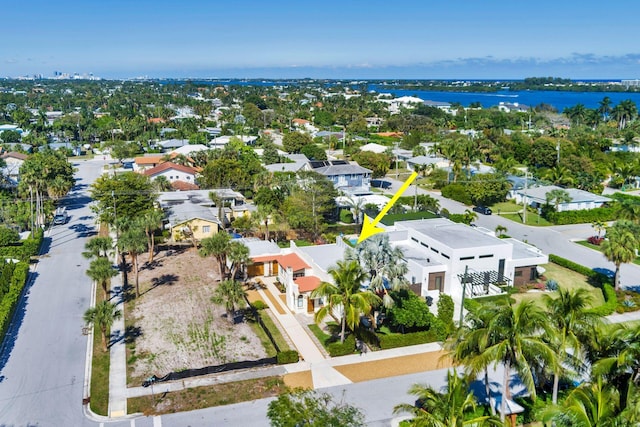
x=339 y=162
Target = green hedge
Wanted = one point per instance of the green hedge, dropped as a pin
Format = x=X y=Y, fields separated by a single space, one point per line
x=582 y=216
x=342 y=349
x=403 y=340
x=610 y=301
x=25 y=249
x=457 y=192
x=11 y=298
x=259 y=305
x=286 y=357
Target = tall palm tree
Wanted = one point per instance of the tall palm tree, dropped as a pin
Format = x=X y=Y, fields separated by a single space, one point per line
x=230 y=293
x=559 y=175
x=451 y=408
x=134 y=241
x=620 y=246
x=102 y=315
x=604 y=108
x=101 y=270
x=516 y=341
x=557 y=197
x=151 y=220
x=217 y=246
x=468 y=346
x=345 y=296
x=573 y=323
x=238 y=256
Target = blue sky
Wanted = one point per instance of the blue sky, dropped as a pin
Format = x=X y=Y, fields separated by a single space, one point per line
x=322 y=38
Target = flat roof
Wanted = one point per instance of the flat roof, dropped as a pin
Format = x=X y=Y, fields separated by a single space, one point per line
x=418 y=254
x=454 y=235
x=325 y=256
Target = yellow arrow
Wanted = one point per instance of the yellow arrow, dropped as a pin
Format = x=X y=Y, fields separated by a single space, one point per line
x=369 y=228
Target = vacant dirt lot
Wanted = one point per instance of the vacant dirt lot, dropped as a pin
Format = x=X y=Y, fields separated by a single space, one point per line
x=178 y=326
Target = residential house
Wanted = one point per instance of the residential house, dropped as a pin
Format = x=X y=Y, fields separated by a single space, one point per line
x=189 y=215
x=140 y=164
x=187 y=150
x=437 y=162
x=346 y=176
x=222 y=141
x=536 y=197
x=13 y=162
x=509 y=107
x=449 y=257
x=172 y=144
x=298 y=163
x=444 y=106
x=172 y=172
x=374 y=148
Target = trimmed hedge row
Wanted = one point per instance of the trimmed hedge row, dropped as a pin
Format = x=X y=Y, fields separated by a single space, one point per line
x=286 y=357
x=342 y=349
x=403 y=340
x=26 y=249
x=582 y=216
x=610 y=301
x=11 y=298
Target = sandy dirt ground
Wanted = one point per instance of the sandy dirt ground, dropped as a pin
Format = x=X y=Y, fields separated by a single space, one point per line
x=179 y=326
x=299 y=380
x=395 y=366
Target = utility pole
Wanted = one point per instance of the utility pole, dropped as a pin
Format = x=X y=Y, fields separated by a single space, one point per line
x=396 y=153
x=558 y=150
x=524 y=199
x=464 y=291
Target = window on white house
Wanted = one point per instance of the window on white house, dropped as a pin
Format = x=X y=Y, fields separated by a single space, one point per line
x=300 y=300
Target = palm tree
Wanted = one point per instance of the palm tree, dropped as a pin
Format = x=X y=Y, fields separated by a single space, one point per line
x=451 y=408
x=161 y=183
x=557 y=197
x=217 y=246
x=345 y=295
x=230 y=293
x=515 y=341
x=592 y=404
x=385 y=264
x=102 y=315
x=605 y=108
x=500 y=230
x=98 y=247
x=629 y=209
x=559 y=175
x=573 y=323
x=238 y=256
x=599 y=226
x=134 y=241
x=264 y=216
x=151 y=221
x=101 y=270
x=620 y=246
x=468 y=346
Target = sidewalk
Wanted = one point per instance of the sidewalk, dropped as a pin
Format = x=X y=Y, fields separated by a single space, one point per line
x=118 y=353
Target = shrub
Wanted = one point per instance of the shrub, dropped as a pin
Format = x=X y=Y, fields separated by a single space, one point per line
x=581 y=216
x=457 y=192
x=346 y=216
x=259 y=305
x=445 y=311
x=286 y=357
x=11 y=298
x=552 y=285
x=595 y=240
x=8 y=236
x=342 y=349
x=610 y=301
x=403 y=340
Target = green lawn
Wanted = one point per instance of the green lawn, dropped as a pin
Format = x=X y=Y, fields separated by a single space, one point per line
x=320 y=334
x=275 y=333
x=599 y=249
x=99 y=391
x=513 y=212
x=567 y=279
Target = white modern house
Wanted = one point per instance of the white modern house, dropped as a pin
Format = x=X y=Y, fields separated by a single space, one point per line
x=536 y=197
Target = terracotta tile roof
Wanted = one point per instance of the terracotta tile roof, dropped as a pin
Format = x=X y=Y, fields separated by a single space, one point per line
x=148 y=160
x=265 y=258
x=396 y=134
x=156 y=120
x=307 y=283
x=168 y=165
x=293 y=261
x=301 y=121
x=183 y=186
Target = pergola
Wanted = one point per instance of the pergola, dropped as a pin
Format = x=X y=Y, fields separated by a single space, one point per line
x=478 y=281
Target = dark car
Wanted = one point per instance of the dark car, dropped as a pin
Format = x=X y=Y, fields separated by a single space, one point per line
x=482 y=209
x=380 y=183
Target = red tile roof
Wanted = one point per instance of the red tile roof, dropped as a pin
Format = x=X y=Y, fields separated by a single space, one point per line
x=301 y=121
x=15 y=155
x=148 y=160
x=307 y=283
x=293 y=261
x=183 y=186
x=265 y=258
x=168 y=165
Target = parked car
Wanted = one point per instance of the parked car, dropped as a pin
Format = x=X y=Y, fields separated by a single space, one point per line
x=482 y=209
x=60 y=217
x=380 y=183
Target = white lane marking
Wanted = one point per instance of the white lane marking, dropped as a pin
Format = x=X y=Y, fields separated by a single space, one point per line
x=157 y=422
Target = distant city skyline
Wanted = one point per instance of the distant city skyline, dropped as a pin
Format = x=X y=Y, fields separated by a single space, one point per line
x=406 y=39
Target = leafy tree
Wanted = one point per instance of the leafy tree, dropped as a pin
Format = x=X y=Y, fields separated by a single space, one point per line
x=231 y=294
x=409 y=311
x=8 y=236
x=125 y=195
x=102 y=316
x=620 y=246
x=101 y=270
x=121 y=150
x=345 y=296
x=378 y=162
x=487 y=189
x=313 y=409
x=293 y=142
x=455 y=407
x=133 y=241
x=238 y=256
x=313 y=152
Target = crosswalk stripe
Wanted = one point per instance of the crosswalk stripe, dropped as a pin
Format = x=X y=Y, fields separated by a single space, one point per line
x=157 y=422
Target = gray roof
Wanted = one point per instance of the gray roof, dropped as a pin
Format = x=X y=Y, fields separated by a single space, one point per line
x=197 y=196
x=577 y=196
x=523 y=250
x=454 y=235
x=285 y=167
x=425 y=160
x=258 y=247
x=348 y=169
x=325 y=256
x=173 y=143
x=180 y=212
x=417 y=254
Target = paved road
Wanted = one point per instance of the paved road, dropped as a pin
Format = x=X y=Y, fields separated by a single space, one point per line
x=42 y=362
x=551 y=240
